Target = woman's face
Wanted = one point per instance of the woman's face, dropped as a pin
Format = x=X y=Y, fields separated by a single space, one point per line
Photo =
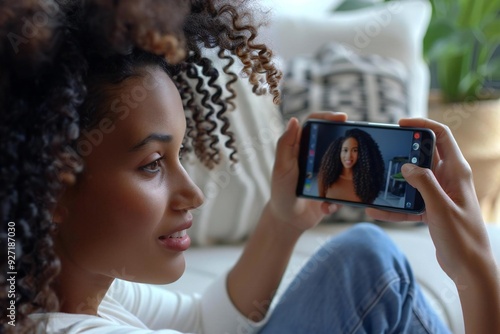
x=128 y=213
x=349 y=152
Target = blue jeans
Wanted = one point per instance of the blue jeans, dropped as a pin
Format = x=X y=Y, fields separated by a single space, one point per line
x=358 y=282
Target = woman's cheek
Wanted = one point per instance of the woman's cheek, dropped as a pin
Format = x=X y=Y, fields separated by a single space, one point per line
x=143 y=205
x=129 y=204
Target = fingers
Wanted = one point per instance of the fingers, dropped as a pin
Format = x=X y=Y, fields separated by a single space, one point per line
x=392 y=216
x=425 y=182
x=435 y=159
x=329 y=116
x=446 y=145
x=288 y=146
x=329 y=208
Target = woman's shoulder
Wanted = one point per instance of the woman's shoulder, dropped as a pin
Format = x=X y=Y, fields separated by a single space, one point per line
x=113 y=314
x=59 y=322
x=343 y=189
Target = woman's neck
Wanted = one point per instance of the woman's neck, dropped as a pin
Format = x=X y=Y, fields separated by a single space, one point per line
x=346 y=173
x=78 y=290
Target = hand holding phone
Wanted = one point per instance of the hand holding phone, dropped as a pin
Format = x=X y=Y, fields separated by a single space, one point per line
x=456 y=226
x=359 y=163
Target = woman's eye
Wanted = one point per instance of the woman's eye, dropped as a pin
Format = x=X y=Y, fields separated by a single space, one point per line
x=153 y=167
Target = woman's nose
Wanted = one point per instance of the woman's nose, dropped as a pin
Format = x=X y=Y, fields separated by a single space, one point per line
x=187 y=195
x=198 y=197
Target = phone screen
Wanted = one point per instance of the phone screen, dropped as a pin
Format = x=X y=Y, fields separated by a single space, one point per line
x=360 y=163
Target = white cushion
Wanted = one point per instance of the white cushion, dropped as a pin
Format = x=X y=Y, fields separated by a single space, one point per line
x=301 y=7
x=394 y=29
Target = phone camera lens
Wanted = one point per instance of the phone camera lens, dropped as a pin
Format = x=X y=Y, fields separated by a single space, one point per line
x=415 y=146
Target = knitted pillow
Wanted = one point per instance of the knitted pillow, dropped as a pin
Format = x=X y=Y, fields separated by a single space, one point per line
x=367 y=88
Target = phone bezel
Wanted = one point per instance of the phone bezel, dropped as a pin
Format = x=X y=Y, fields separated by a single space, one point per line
x=425 y=160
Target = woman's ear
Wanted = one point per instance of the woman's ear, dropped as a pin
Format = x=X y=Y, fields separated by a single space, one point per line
x=67 y=178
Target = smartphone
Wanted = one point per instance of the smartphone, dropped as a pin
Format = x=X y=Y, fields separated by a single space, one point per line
x=359 y=164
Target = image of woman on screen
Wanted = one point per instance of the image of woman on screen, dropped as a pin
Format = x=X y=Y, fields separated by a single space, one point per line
x=352 y=168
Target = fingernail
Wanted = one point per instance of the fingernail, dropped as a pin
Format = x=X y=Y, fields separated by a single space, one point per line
x=332 y=207
x=407 y=168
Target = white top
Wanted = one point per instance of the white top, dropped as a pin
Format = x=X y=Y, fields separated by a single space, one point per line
x=135 y=308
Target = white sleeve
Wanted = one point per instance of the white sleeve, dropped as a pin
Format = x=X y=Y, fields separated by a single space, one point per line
x=219 y=314
x=152 y=307
x=156 y=308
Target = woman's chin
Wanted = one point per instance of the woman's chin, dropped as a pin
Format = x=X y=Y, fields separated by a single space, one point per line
x=173 y=274
x=168 y=274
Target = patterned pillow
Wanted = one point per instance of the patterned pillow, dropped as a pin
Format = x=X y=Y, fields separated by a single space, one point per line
x=367 y=88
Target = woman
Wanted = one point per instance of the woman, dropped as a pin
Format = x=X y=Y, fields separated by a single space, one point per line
x=352 y=168
x=95 y=103
x=101 y=202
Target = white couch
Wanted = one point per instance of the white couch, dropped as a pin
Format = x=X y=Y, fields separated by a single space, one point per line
x=234 y=198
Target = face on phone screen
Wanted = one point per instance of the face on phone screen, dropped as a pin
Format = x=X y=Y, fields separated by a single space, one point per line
x=360 y=164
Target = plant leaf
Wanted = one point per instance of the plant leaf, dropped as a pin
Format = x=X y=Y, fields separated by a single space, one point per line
x=453 y=41
x=449 y=68
x=491 y=31
x=460 y=41
x=438 y=33
x=492 y=6
x=492 y=70
x=348 y=5
x=470 y=12
x=469 y=85
x=442 y=8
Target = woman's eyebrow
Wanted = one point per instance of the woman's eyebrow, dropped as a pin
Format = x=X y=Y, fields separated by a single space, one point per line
x=150 y=138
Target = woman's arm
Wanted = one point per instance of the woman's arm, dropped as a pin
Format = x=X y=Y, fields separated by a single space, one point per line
x=257 y=274
x=457 y=229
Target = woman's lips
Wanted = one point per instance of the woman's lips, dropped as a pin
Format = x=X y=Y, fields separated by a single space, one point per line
x=348 y=162
x=178 y=241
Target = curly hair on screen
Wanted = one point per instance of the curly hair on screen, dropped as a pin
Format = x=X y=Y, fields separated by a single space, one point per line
x=60 y=64
x=368 y=172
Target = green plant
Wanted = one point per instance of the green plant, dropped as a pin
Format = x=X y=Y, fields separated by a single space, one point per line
x=460 y=42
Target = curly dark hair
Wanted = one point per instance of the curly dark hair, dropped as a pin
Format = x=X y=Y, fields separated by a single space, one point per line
x=368 y=172
x=59 y=63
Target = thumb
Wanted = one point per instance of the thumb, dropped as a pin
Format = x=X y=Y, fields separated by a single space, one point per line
x=425 y=182
x=287 y=147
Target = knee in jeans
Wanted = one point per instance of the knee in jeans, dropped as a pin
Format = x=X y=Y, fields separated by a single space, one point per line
x=364 y=251
x=364 y=242
x=367 y=237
